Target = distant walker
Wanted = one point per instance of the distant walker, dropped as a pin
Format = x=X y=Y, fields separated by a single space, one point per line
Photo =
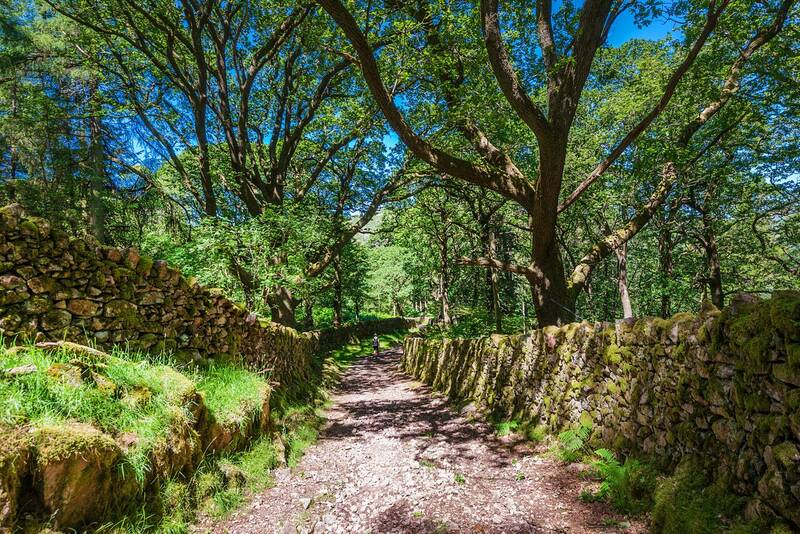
x=376 y=344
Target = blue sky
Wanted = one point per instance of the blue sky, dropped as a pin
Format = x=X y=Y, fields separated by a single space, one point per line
x=624 y=29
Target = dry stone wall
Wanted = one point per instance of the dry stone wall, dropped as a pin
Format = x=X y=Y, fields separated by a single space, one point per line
x=53 y=287
x=724 y=386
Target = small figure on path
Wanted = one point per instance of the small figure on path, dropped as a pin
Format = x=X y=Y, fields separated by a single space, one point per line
x=375 y=344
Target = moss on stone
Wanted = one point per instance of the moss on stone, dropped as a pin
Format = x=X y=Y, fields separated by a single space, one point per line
x=615 y=354
x=784 y=310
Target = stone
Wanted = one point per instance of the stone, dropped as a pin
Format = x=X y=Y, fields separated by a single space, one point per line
x=37 y=305
x=75 y=465
x=42 y=284
x=20 y=370
x=132 y=258
x=114 y=254
x=787 y=373
x=9 y=281
x=104 y=384
x=119 y=308
x=66 y=373
x=152 y=297
x=83 y=307
x=15 y=455
x=56 y=319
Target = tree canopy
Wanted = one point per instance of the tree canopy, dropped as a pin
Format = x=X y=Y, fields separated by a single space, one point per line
x=498 y=165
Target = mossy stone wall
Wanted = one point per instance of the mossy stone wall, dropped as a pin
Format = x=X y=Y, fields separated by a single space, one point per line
x=53 y=287
x=724 y=386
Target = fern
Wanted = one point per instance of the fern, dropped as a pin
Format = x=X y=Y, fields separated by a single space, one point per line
x=627 y=486
x=572 y=443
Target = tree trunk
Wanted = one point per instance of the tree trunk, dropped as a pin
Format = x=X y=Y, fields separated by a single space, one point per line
x=337 y=293
x=308 y=312
x=666 y=267
x=13 y=148
x=553 y=302
x=444 y=283
x=712 y=261
x=622 y=280
x=494 y=290
x=282 y=305
x=98 y=179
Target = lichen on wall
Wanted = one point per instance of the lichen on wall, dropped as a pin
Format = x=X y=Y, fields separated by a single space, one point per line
x=724 y=386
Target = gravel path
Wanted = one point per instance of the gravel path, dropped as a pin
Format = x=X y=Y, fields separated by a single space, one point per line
x=393 y=457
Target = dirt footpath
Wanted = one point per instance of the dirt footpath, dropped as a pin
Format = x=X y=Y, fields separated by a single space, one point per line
x=395 y=458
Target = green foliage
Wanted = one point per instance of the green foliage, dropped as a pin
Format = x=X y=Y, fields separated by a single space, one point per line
x=504 y=428
x=628 y=486
x=231 y=393
x=572 y=444
x=689 y=501
x=121 y=393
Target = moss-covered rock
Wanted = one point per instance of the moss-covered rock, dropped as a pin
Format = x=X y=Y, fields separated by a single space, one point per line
x=15 y=455
x=74 y=470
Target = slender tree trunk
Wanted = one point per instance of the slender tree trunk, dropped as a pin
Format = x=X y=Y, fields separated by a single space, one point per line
x=206 y=181
x=712 y=261
x=308 y=312
x=666 y=267
x=99 y=179
x=622 y=280
x=282 y=306
x=337 y=292
x=13 y=148
x=444 y=282
x=492 y=275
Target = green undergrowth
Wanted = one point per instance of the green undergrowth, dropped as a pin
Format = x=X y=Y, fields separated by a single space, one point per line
x=532 y=432
x=687 y=499
x=231 y=393
x=223 y=483
x=475 y=322
x=691 y=501
x=117 y=394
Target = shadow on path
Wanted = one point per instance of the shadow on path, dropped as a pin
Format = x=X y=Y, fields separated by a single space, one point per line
x=395 y=458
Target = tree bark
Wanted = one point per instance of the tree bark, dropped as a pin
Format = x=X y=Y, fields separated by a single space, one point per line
x=282 y=306
x=337 y=292
x=666 y=266
x=622 y=280
x=712 y=261
x=444 y=283
x=553 y=303
x=492 y=278
x=98 y=177
x=308 y=312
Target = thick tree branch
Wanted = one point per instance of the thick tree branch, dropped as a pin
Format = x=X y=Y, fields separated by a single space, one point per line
x=510 y=187
x=666 y=96
x=506 y=76
x=497 y=264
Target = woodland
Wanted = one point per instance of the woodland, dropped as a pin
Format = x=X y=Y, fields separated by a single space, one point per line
x=231 y=227
x=495 y=165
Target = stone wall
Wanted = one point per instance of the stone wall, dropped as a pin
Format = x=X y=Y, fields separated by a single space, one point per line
x=724 y=386
x=53 y=287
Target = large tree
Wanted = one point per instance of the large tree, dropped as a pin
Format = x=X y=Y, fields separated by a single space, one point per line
x=546 y=97
x=251 y=112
